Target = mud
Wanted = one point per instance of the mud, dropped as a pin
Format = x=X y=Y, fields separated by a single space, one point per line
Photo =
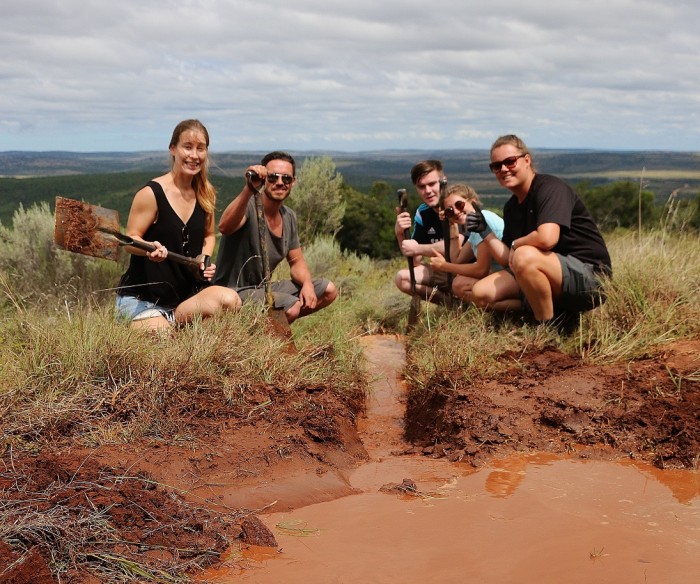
x=528 y=517
x=646 y=410
x=181 y=507
x=76 y=229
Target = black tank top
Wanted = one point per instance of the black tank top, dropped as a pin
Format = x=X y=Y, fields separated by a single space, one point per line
x=166 y=283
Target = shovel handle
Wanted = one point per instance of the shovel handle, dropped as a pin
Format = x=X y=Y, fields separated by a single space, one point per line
x=138 y=244
x=402 y=195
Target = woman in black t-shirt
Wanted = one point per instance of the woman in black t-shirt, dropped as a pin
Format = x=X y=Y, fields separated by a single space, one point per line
x=553 y=249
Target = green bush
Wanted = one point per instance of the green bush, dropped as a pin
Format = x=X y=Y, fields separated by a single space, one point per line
x=40 y=273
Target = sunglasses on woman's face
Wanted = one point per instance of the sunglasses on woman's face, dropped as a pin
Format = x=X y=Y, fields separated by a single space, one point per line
x=509 y=163
x=185 y=240
x=273 y=177
x=450 y=211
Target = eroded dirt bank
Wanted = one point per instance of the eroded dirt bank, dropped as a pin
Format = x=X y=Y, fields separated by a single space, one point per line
x=648 y=409
x=181 y=503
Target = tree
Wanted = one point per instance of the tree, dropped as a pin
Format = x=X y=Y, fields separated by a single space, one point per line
x=618 y=205
x=317 y=199
x=368 y=225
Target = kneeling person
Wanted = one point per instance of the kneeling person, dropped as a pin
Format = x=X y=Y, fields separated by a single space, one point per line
x=239 y=259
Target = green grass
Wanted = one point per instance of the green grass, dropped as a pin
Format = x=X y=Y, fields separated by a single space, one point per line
x=66 y=367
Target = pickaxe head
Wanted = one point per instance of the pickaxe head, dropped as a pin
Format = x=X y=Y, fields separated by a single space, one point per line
x=402 y=195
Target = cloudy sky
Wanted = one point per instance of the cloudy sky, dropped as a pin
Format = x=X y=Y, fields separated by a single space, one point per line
x=351 y=75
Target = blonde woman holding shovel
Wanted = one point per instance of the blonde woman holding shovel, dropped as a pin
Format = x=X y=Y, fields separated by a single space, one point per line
x=174 y=212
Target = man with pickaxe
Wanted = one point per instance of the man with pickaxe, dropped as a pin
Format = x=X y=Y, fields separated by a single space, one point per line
x=427 y=235
x=244 y=265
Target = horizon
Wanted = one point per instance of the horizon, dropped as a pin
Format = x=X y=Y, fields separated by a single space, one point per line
x=364 y=151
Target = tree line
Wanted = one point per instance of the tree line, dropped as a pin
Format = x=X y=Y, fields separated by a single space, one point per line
x=362 y=222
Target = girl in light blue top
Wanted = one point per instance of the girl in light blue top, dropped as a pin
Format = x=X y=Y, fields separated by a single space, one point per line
x=473 y=261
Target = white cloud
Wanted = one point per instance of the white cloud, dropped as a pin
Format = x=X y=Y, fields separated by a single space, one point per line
x=87 y=75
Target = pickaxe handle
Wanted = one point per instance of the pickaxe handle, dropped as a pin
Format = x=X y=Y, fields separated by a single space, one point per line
x=402 y=195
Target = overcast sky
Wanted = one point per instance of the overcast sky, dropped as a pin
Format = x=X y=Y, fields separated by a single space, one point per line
x=351 y=75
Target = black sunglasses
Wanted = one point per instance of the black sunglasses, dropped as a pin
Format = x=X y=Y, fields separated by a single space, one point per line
x=273 y=177
x=185 y=239
x=509 y=163
x=450 y=211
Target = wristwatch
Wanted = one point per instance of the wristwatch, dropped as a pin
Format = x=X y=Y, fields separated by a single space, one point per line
x=512 y=244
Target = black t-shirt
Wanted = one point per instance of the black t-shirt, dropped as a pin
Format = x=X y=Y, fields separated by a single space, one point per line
x=551 y=200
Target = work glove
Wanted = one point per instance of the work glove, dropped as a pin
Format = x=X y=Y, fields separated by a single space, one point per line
x=476 y=222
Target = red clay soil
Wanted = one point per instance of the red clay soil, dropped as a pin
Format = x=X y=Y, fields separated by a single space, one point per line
x=176 y=507
x=647 y=409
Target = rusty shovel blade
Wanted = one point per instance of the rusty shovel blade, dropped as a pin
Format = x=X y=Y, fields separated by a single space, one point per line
x=83 y=228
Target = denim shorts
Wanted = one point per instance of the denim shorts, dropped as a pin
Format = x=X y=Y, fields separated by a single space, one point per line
x=132 y=308
x=285 y=293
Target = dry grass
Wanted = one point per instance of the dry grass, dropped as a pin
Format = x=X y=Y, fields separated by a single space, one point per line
x=86 y=376
x=653 y=299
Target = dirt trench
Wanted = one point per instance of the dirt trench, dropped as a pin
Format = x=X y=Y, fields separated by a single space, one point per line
x=175 y=507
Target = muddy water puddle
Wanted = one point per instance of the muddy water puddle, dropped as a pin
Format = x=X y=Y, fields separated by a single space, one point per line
x=523 y=519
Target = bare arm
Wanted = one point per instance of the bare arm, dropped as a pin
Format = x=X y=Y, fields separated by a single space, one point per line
x=545 y=237
x=463 y=266
x=233 y=217
x=143 y=213
x=301 y=275
x=209 y=236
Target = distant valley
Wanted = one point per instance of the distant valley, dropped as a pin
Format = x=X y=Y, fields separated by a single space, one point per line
x=30 y=177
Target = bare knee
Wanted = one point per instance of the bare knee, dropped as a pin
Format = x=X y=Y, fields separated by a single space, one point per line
x=526 y=259
x=480 y=296
x=402 y=281
x=329 y=295
x=462 y=287
x=230 y=301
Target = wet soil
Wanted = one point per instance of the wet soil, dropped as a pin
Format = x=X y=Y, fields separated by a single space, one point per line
x=178 y=507
x=647 y=409
x=77 y=228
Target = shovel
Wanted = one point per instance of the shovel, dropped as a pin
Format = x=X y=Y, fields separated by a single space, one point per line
x=94 y=231
x=277 y=318
x=415 y=299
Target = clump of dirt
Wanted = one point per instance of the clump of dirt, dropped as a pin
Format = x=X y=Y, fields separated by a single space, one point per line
x=75 y=516
x=153 y=509
x=77 y=228
x=647 y=409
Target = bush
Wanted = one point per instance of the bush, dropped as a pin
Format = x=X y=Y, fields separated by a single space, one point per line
x=39 y=272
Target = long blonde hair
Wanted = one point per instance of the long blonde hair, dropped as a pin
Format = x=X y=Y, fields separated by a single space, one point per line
x=204 y=190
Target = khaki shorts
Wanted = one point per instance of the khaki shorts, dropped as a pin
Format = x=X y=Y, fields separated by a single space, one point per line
x=581 y=288
x=285 y=292
x=439 y=280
